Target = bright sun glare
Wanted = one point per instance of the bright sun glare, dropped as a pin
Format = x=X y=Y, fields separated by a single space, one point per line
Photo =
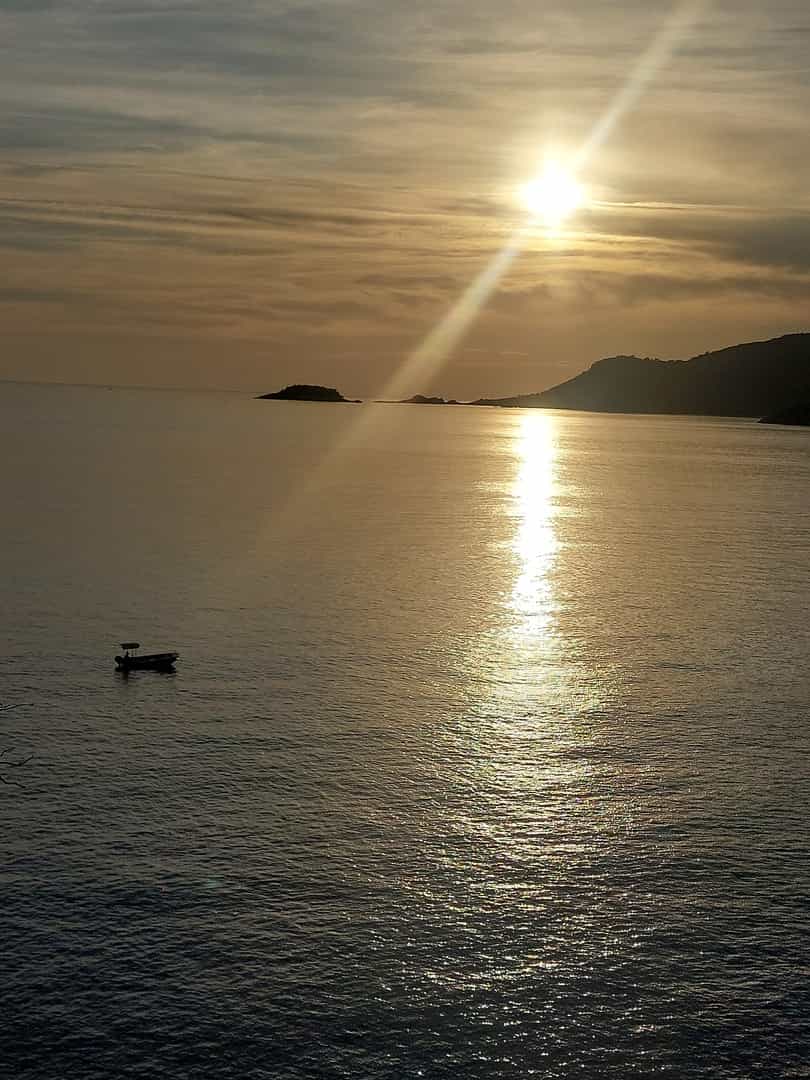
x=552 y=196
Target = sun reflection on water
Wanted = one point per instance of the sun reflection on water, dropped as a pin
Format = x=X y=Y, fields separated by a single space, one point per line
x=535 y=542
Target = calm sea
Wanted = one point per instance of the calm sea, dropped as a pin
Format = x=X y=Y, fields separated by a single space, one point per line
x=486 y=757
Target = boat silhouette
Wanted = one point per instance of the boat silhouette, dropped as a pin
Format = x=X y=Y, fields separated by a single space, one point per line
x=163 y=661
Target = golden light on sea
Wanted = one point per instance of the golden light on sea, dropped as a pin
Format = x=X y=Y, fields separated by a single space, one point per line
x=535 y=542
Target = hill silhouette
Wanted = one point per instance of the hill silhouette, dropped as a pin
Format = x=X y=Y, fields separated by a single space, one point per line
x=753 y=379
x=798 y=415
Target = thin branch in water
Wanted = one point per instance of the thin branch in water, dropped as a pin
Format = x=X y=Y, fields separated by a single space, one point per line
x=12 y=765
x=17 y=764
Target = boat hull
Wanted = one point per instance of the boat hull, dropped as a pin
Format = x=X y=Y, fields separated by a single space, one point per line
x=153 y=662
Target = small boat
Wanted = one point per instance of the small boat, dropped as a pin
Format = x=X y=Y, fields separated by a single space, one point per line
x=161 y=661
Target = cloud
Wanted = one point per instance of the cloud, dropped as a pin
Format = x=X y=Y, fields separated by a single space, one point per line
x=782 y=241
x=735 y=234
x=22 y=295
x=410 y=278
x=87 y=131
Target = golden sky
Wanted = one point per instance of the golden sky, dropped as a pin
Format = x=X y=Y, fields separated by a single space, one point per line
x=249 y=194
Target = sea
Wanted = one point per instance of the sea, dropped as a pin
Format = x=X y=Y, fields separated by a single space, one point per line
x=486 y=755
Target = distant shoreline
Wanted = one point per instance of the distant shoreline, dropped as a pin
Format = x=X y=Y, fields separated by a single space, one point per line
x=755 y=379
x=766 y=380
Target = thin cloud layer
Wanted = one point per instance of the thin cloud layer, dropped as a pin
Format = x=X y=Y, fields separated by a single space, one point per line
x=275 y=192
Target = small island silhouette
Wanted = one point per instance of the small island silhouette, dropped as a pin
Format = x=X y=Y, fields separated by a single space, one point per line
x=420 y=399
x=306 y=392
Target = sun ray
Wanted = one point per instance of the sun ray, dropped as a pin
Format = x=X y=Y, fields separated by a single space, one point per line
x=446 y=334
x=677 y=25
x=556 y=193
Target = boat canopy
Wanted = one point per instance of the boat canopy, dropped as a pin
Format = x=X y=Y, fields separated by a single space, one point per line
x=130 y=645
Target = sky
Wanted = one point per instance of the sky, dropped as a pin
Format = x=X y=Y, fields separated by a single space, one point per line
x=250 y=194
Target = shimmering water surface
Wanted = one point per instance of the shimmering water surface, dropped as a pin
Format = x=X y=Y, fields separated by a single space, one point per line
x=487 y=755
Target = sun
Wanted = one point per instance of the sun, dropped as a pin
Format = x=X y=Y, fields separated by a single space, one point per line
x=552 y=196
